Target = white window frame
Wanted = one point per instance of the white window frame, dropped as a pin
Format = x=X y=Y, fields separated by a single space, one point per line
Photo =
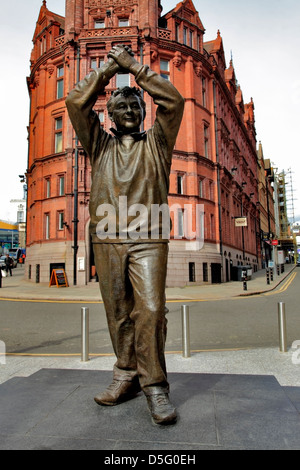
x=60 y=221
x=123 y=22
x=122 y=79
x=99 y=24
x=47 y=226
x=58 y=135
x=61 y=185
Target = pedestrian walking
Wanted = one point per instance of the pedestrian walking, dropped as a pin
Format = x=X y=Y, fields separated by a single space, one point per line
x=8 y=264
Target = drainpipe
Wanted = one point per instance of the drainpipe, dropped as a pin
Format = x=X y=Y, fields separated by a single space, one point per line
x=269 y=221
x=75 y=220
x=218 y=172
x=26 y=175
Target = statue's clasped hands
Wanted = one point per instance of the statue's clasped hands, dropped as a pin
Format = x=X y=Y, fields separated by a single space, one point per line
x=123 y=56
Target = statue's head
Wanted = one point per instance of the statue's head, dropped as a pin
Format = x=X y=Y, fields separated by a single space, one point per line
x=127 y=109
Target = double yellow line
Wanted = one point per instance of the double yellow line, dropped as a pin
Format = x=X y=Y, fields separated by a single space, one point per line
x=284 y=286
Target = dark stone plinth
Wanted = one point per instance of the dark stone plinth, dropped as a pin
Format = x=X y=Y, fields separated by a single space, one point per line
x=54 y=409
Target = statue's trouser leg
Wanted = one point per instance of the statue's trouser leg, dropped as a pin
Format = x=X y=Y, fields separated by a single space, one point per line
x=132 y=282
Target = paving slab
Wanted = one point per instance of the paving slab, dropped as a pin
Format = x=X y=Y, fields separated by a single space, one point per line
x=54 y=409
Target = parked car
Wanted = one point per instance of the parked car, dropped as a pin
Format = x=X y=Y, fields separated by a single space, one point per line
x=298 y=262
x=2 y=261
x=15 y=253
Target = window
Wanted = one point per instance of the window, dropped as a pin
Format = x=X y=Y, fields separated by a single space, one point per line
x=205 y=272
x=165 y=69
x=177 y=32
x=123 y=79
x=180 y=223
x=211 y=191
x=99 y=24
x=48 y=187
x=43 y=45
x=61 y=185
x=185 y=32
x=20 y=216
x=192 y=275
x=204 y=92
x=101 y=117
x=96 y=63
x=179 y=184
x=191 y=38
x=212 y=226
x=60 y=221
x=200 y=188
x=206 y=135
x=47 y=226
x=58 y=135
x=60 y=82
x=123 y=22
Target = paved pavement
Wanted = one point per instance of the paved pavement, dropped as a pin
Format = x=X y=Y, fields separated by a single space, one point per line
x=16 y=287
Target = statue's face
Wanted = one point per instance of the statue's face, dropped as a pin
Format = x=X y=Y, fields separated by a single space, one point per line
x=127 y=114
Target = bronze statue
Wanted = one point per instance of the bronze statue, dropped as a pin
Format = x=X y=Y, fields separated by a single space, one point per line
x=130 y=175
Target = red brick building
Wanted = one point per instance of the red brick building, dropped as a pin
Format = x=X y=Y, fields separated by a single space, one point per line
x=215 y=158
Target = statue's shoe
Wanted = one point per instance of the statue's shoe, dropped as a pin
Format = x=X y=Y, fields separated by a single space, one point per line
x=118 y=392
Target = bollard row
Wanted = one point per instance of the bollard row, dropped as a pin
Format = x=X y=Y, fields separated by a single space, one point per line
x=85 y=333
x=186 y=347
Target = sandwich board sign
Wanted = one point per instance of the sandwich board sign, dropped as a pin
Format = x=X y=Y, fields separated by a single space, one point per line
x=58 y=278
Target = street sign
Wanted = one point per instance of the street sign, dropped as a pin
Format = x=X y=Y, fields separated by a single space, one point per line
x=280 y=255
x=274 y=242
x=241 y=221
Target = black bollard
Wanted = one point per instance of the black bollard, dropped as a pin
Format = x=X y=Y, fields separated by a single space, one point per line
x=268 y=276
x=271 y=274
x=244 y=278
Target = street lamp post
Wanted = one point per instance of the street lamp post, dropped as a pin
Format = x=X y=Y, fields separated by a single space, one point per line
x=12 y=239
x=242 y=215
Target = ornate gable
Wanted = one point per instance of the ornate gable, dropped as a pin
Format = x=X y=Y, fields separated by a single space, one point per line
x=45 y=19
x=41 y=21
x=187 y=11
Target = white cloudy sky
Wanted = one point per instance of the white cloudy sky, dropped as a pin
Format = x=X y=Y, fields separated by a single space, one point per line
x=264 y=38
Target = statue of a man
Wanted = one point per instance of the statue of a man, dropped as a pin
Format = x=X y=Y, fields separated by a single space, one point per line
x=130 y=174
